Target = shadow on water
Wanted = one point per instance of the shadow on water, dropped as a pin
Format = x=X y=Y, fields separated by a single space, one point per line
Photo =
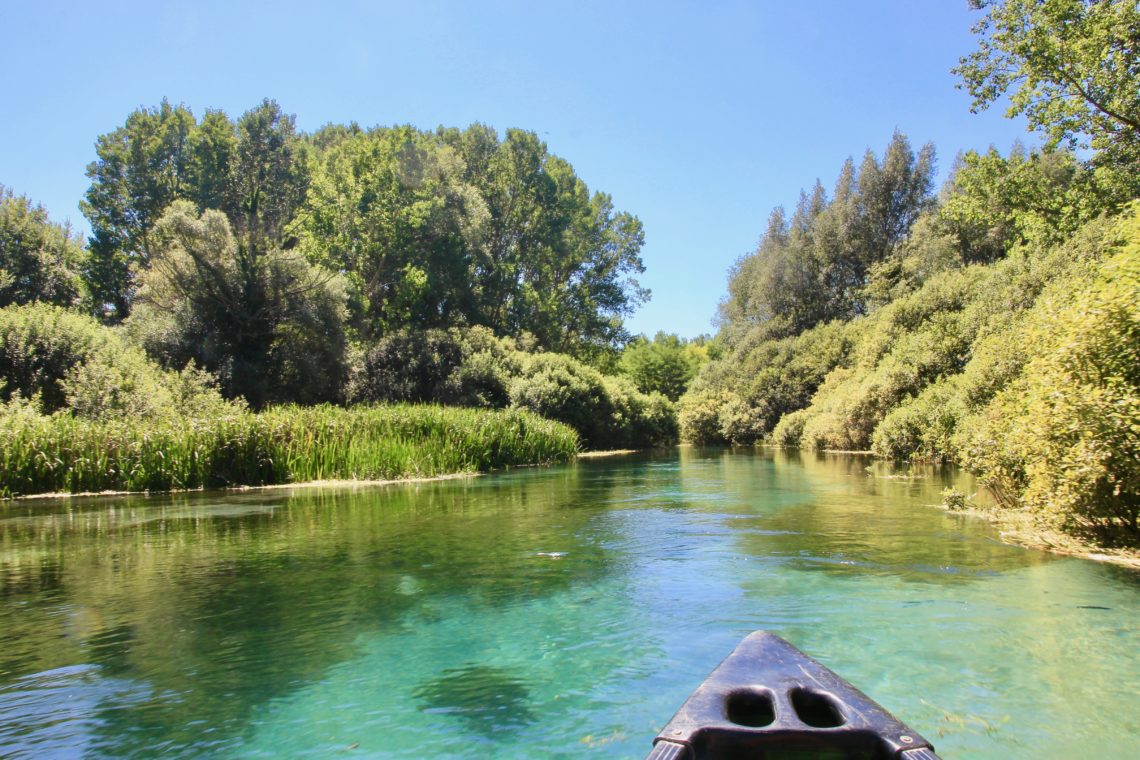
x=487 y=699
x=220 y=603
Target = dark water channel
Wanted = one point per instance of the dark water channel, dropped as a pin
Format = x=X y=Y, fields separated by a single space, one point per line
x=561 y=612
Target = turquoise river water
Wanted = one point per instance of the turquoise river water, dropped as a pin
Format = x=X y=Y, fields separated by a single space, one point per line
x=560 y=612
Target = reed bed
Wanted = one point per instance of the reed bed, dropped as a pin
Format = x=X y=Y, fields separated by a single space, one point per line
x=291 y=444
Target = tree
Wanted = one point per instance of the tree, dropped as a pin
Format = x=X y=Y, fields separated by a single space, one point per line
x=141 y=168
x=255 y=170
x=666 y=364
x=266 y=322
x=1069 y=66
x=995 y=202
x=816 y=267
x=552 y=259
x=392 y=210
x=268 y=176
x=39 y=260
x=464 y=228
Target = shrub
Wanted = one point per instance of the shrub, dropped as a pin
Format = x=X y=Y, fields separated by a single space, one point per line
x=560 y=388
x=414 y=366
x=468 y=367
x=607 y=412
x=698 y=415
x=1064 y=437
x=40 y=345
x=68 y=361
x=922 y=427
x=789 y=431
x=740 y=397
x=639 y=419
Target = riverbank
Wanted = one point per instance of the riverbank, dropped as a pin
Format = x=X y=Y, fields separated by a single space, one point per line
x=352 y=483
x=1020 y=529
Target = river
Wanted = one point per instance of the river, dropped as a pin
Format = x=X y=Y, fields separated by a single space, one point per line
x=548 y=612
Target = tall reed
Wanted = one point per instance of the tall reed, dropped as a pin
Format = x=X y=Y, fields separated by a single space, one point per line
x=289 y=444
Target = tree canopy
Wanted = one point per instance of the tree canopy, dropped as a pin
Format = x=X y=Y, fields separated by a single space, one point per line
x=430 y=229
x=814 y=267
x=39 y=260
x=1070 y=67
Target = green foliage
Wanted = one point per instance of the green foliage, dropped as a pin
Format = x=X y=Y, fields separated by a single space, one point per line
x=39 y=260
x=456 y=367
x=927 y=358
x=666 y=364
x=815 y=267
x=223 y=235
x=40 y=345
x=607 y=412
x=139 y=171
x=61 y=360
x=740 y=396
x=789 y=431
x=922 y=427
x=639 y=420
x=462 y=227
x=698 y=415
x=474 y=368
x=955 y=500
x=720 y=416
x=1063 y=438
x=391 y=209
x=994 y=203
x=254 y=170
x=266 y=322
x=1070 y=67
x=61 y=453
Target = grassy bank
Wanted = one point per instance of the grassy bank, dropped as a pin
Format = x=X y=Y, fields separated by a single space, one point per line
x=290 y=444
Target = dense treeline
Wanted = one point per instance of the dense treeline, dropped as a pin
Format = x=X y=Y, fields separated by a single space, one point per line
x=425 y=229
x=240 y=262
x=996 y=325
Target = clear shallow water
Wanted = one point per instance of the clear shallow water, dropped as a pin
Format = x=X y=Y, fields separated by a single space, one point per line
x=559 y=612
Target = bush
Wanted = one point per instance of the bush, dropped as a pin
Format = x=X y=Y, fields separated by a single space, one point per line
x=921 y=428
x=68 y=361
x=468 y=367
x=607 y=412
x=411 y=366
x=698 y=415
x=712 y=417
x=42 y=345
x=740 y=397
x=789 y=431
x=560 y=388
x=1064 y=437
x=639 y=419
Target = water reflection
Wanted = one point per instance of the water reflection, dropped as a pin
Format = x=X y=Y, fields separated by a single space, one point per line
x=554 y=612
x=222 y=604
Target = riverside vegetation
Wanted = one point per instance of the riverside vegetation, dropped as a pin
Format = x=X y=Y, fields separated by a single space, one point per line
x=239 y=273
x=995 y=325
x=245 y=280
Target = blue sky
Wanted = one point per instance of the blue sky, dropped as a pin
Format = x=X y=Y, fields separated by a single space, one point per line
x=697 y=117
